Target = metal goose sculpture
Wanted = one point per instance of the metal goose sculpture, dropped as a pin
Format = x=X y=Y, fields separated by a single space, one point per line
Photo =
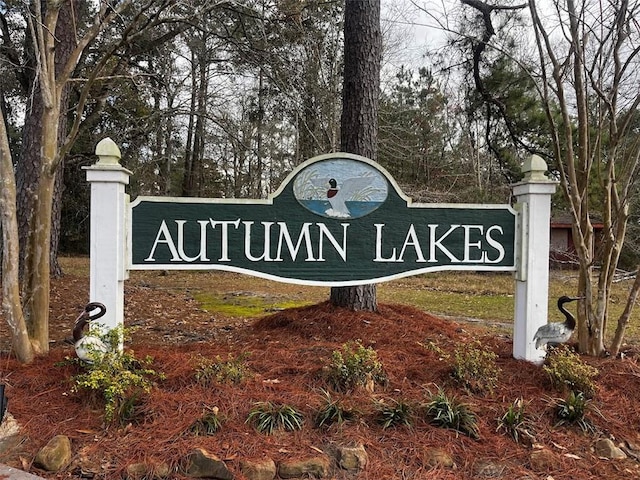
x=88 y=347
x=556 y=333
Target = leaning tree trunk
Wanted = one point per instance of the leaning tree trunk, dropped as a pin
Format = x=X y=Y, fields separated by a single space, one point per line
x=359 y=122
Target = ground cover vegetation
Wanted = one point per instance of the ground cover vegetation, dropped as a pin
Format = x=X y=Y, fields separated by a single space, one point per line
x=266 y=386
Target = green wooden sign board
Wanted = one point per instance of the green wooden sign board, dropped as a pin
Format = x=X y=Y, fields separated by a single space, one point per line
x=337 y=220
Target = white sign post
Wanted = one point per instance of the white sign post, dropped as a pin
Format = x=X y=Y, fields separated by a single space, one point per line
x=108 y=232
x=533 y=195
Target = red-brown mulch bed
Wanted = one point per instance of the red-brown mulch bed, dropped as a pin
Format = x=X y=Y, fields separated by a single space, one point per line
x=287 y=352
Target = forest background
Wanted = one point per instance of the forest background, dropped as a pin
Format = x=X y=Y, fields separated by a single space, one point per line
x=223 y=99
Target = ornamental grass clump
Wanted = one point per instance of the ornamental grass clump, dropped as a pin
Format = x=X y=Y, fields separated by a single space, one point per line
x=333 y=411
x=355 y=366
x=394 y=413
x=514 y=420
x=567 y=372
x=573 y=409
x=209 y=424
x=446 y=412
x=268 y=417
x=118 y=378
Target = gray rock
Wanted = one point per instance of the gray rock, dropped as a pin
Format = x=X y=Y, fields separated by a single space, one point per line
x=202 y=464
x=436 y=457
x=259 y=469
x=605 y=448
x=55 y=455
x=353 y=458
x=543 y=460
x=315 y=467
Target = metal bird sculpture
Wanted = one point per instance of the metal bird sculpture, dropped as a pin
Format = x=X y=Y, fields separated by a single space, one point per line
x=88 y=348
x=556 y=333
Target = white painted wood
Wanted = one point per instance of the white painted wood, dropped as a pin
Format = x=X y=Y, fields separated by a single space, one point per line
x=532 y=278
x=108 y=232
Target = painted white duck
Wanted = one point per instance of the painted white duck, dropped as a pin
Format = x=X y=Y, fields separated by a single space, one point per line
x=88 y=348
x=338 y=195
x=555 y=333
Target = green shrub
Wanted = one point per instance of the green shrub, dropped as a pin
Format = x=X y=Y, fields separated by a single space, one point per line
x=118 y=378
x=474 y=367
x=394 y=413
x=332 y=411
x=208 y=424
x=355 y=366
x=514 y=420
x=573 y=411
x=268 y=417
x=567 y=371
x=232 y=370
x=449 y=413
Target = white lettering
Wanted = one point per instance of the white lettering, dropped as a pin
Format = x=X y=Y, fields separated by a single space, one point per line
x=266 y=246
x=495 y=244
x=224 y=240
x=163 y=232
x=392 y=258
x=437 y=243
x=304 y=235
x=412 y=239
x=468 y=245
x=203 y=241
x=341 y=249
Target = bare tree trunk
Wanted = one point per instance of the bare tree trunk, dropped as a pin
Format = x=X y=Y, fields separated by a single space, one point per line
x=11 y=304
x=359 y=122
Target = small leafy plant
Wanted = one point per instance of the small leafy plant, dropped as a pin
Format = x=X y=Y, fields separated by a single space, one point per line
x=232 y=370
x=573 y=411
x=208 y=424
x=567 y=372
x=332 y=411
x=394 y=413
x=447 y=412
x=513 y=422
x=117 y=377
x=268 y=417
x=474 y=367
x=355 y=366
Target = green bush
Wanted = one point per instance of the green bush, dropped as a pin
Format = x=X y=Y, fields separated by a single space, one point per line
x=232 y=370
x=332 y=411
x=268 y=417
x=474 y=367
x=117 y=377
x=447 y=412
x=567 y=371
x=355 y=366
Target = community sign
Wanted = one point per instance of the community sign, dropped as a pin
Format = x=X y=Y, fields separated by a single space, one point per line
x=336 y=220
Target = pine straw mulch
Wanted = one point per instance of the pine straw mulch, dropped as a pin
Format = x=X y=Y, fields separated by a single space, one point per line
x=287 y=352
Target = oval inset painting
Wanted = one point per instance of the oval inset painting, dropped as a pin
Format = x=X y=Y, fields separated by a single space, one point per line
x=340 y=188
